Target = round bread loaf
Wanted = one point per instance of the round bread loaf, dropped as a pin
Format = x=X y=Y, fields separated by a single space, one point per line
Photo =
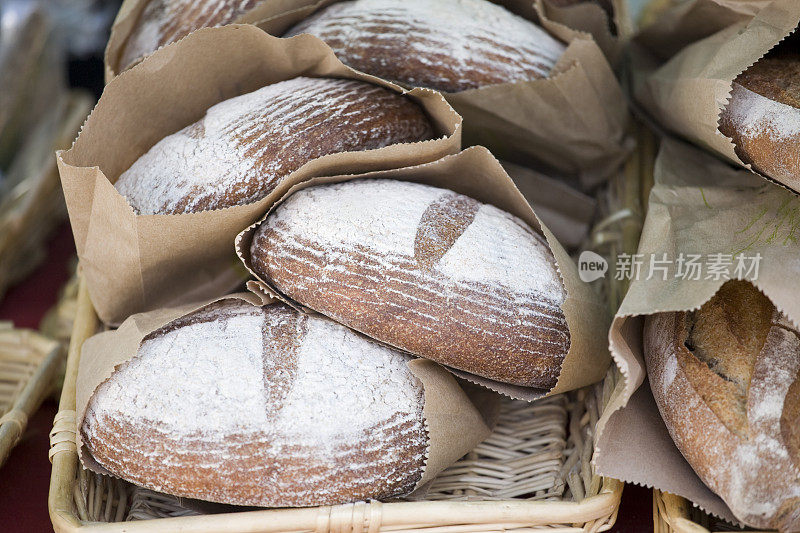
x=763 y=117
x=244 y=146
x=261 y=406
x=725 y=379
x=447 y=45
x=165 y=21
x=424 y=269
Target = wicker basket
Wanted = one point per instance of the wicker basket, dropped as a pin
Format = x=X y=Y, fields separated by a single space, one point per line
x=533 y=473
x=30 y=210
x=673 y=514
x=28 y=364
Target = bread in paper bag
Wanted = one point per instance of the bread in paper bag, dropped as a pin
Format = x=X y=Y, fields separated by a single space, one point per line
x=726 y=379
x=455 y=228
x=763 y=116
x=440 y=44
x=533 y=91
x=134 y=261
x=245 y=146
x=425 y=269
x=266 y=406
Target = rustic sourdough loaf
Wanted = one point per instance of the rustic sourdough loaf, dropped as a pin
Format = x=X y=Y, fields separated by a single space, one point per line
x=165 y=21
x=725 y=379
x=448 y=45
x=424 y=269
x=763 y=117
x=246 y=145
x=261 y=406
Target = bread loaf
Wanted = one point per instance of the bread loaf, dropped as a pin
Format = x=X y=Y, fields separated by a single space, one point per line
x=763 y=117
x=165 y=21
x=244 y=146
x=725 y=379
x=261 y=406
x=447 y=45
x=424 y=269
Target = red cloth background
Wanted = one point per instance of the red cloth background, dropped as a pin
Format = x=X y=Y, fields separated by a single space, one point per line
x=25 y=478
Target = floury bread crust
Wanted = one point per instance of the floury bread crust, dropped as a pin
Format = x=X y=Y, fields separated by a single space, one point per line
x=424 y=269
x=166 y=21
x=261 y=406
x=447 y=45
x=763 y=117
x=243 y=147
x=726 y=381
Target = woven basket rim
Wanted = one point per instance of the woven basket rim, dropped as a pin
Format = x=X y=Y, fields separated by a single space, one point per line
x=670 y=515
x=32 y=360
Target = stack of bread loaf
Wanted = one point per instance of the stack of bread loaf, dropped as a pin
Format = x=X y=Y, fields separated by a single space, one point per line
x=315 y=393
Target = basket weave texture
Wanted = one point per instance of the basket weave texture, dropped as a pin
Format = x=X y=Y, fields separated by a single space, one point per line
x=673 y=514
x=28 y=364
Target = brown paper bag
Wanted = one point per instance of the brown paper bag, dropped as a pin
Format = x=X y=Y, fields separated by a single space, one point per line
x=139 y=262
x=565 y=210
x=691 y=21
x=699 y=205
x=129 y=13
x=477 y=174
x=687 y=93
x=455 y=426
x=571 y=123
x=610 y=30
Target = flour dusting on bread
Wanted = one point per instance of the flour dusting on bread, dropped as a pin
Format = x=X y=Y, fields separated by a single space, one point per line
x=449 y=45
x=363 y=253
x=244 y=146
x=252 y=406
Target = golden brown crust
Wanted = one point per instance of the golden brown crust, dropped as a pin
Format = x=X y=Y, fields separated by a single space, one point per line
x=763 y=117
x=724 y=344
x=790 y=422
x=162 y=22
x=740 y=454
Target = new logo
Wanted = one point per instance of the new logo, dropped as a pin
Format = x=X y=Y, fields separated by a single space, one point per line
x=591 y=266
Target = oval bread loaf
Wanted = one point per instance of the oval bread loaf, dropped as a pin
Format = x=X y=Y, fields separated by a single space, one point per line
x=725 y=379
x=424 y=269
x=447 y=45
x=261 y=406
x=162 y=22
x=763 y=117
x=244 y=146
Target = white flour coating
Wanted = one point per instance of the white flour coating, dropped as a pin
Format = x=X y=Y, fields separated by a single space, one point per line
x=345 y=383
x=187 y=363
x=238 y=148
x=166 y=21
x=331 y=399
x=456 y=39
x=754 y=114
x=328 y=409
x=496 y=248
